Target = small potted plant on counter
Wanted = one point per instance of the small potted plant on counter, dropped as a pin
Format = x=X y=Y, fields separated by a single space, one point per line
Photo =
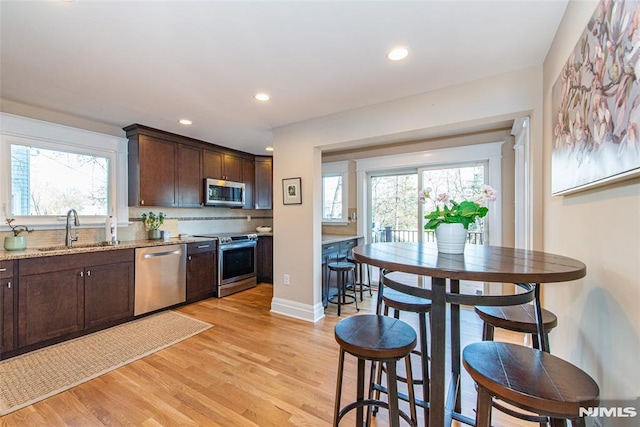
x=16 y=242
x=152 y=223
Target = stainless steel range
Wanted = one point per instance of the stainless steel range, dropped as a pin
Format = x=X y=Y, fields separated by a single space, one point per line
x=237 y=260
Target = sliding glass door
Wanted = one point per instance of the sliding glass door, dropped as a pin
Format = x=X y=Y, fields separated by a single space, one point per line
x=397 y=216
x=459 y=182
x=393 y=209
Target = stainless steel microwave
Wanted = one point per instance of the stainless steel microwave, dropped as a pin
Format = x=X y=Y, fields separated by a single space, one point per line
x=223 y=193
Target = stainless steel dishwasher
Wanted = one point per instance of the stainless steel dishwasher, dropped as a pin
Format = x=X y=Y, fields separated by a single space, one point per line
x=160 y=279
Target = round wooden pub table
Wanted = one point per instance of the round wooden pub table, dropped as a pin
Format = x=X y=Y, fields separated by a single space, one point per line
x=525 y=268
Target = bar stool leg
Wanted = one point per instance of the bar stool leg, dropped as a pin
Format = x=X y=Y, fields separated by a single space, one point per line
x=487 y=332
x=340 y=290
x=378 y=368
x=344 y=289
x=410 y=390
x=372 y=373
x=360 y=392
x=392 y=387
x=361 y=280
x=483 y=408
x=424 y=362
x=336 y=411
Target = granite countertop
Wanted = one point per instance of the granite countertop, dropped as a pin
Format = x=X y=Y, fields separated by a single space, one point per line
x=79 y=248
x=336 y=238
x=84 y=248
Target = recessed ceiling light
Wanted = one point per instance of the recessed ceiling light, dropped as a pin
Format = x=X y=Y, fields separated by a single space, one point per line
x=262 y=97
x=398 y=53
x=186 y=122
x=269 y=148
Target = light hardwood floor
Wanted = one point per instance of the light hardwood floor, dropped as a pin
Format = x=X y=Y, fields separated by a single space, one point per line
x=253 y=368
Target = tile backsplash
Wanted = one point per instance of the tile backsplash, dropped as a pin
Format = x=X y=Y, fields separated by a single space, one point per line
x=177 y=221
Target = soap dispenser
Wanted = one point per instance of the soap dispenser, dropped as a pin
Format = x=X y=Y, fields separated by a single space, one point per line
x=111 y=230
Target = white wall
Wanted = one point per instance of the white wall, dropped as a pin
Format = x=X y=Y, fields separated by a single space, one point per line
x=598 y=316
x=298 y=153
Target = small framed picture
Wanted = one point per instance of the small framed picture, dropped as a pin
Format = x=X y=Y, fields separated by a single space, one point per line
x=291 y=191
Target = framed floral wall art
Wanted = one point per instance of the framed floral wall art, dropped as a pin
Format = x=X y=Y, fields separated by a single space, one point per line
x=596 y=103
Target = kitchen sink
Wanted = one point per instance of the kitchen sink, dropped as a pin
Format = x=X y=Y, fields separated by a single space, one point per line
x=78 y=246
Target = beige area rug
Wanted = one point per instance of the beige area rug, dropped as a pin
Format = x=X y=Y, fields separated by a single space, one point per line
x=35 y=376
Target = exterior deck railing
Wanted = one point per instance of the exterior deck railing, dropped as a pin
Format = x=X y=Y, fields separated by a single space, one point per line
x=390 y=235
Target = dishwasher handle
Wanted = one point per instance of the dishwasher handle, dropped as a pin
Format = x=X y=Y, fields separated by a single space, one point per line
x=158 y=254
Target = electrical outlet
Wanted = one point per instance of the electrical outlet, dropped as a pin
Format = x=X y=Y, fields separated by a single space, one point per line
x=287 y=280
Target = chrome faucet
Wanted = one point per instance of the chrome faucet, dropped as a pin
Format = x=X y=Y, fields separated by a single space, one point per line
x=68 y=239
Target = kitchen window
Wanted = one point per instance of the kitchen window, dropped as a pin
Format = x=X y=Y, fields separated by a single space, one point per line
x=48 y=169
x=50 y=182
x=334 y=192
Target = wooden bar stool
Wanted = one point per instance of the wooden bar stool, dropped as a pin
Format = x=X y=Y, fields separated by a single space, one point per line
x=342 y=269
x=399 y=301
x=377 y=339
x=529 y=379
x=518 y=318
x=360 y=282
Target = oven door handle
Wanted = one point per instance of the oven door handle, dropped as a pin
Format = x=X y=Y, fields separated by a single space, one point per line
x=238 y=245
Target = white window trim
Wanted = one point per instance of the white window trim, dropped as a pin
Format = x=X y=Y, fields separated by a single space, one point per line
x=335 y=169
x=31 y=132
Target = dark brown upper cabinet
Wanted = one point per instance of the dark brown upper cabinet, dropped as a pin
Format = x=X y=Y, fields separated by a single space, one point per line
x=152 y=171
x=263 y=189
x=166 y=169
x=189 y=176
x=223 y=166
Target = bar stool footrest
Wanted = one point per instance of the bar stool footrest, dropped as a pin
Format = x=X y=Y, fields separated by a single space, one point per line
x=371 y=402
x=333 y=298
x=404 y=379
x=516 y=414
x=402 y=396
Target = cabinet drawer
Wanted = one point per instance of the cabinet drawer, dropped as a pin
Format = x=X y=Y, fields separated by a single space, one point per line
x=6 y=269
x=199 y=247
x=330 y=250
x=345 y=247
x=68 y=262
x=348 y=245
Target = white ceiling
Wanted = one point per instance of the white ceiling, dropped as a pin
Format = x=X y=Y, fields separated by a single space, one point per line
x=154 y=62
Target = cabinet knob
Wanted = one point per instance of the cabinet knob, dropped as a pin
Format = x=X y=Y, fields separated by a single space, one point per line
x=141 y=202
x=189 y=257
x=88 y=272
x=82 y=274
x=9 y=285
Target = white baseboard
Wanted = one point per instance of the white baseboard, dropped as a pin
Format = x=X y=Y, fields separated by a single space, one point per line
x=297 y=310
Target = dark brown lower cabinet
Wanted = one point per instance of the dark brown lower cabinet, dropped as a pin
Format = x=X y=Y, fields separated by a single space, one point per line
x=108 y=294
x=49 y=306
x=265 y=259
x=7 y=307
x=202 y=270
x=62 y=296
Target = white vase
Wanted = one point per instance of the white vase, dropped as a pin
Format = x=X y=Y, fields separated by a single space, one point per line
x=451 y=238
